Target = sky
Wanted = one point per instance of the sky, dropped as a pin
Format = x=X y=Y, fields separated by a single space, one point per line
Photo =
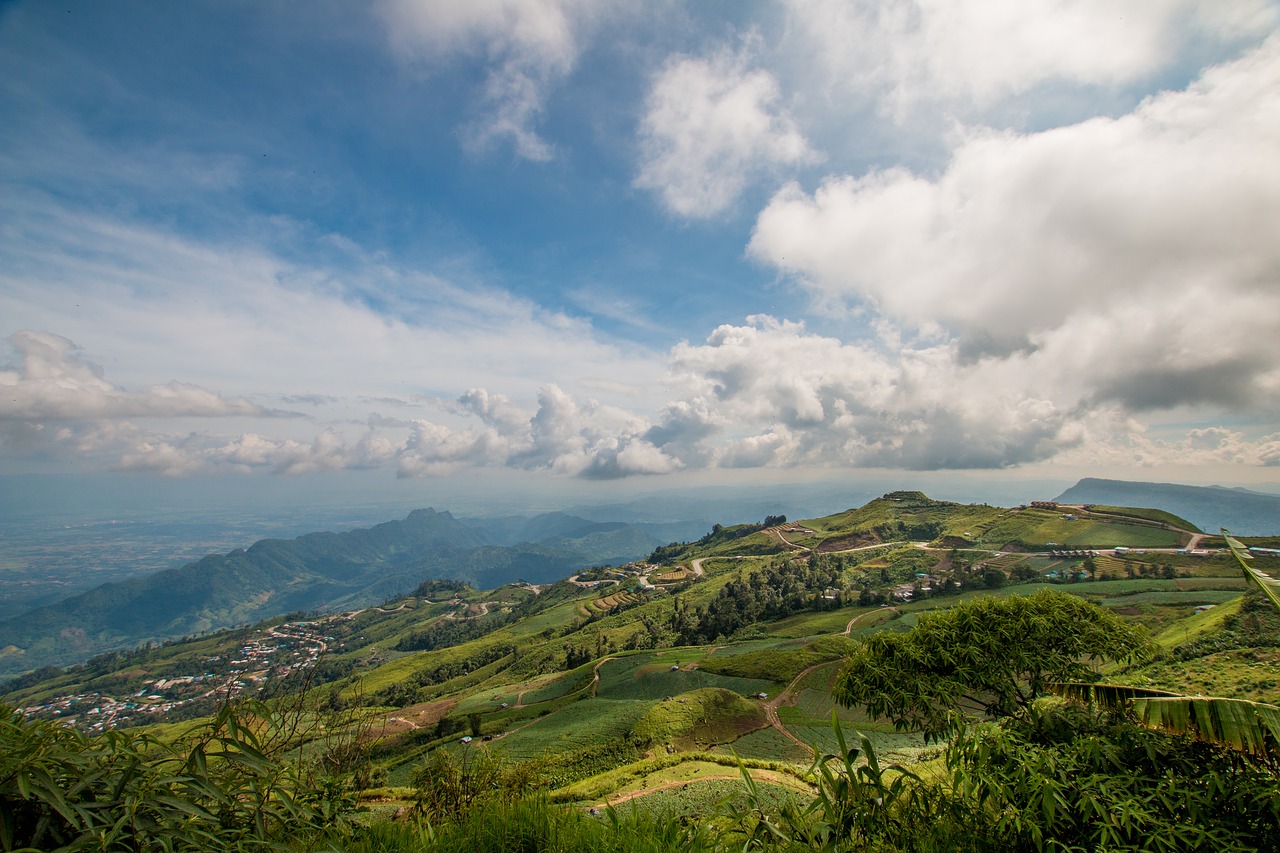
x=581 y=241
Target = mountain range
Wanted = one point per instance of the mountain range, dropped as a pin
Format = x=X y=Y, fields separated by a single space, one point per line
x=1243 y=512
x=322 y=571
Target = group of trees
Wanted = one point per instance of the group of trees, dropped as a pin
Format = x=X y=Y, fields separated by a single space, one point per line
x=452 y=632
x=774 y=592
x=719 y=534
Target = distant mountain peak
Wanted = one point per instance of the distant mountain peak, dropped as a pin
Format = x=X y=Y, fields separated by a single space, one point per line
x=1246 y=512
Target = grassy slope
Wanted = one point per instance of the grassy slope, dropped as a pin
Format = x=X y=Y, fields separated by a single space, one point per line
x=551 y=712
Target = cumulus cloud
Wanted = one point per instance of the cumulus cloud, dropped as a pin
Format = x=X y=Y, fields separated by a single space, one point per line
x=1129 y=260
x=798 y=398
x=51 y=380
x=711 y=125
x=531 y=45
x=909 y=53
x=768 y=393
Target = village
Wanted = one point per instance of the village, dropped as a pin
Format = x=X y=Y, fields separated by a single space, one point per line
x=271 y=656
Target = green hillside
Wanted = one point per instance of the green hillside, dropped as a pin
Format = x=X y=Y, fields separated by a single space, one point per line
x=648 y=683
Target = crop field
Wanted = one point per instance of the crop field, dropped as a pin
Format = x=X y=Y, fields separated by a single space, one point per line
x=648 y=776
x=486 y=700
x=542 y=689
x=552 y=617
x=781 y=665
x=557 y=688
x=747 y=646
x=700 y=719
x=768 y=745
x=701 y=798
x=1157 y=515
x=1038 y=527
x=578 y=725
x=611 y=601
x=1197 y=625
x=651 y=678
x=675 y=576
x=813 y=624
x=1184 y=598
x=1106 y=589
x=1236 y=583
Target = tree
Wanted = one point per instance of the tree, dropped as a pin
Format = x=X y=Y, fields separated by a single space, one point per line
x=993 y=655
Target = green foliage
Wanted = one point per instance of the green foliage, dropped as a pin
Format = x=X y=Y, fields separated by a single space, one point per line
x=225 y=786
x=1068 y=778
x=532 y=824
x=994 y=654
x=441 y=588
x=863 y=805
x=855 y=800
x=452 y=783
x=774 y=592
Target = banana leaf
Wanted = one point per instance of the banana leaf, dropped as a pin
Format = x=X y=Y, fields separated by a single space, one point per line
x=1270 y=586
x=1252 y=727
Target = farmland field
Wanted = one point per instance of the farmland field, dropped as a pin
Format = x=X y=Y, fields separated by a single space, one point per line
x=568 y=683
x=1188 y=597
x=1041 y=528
x=650 y=677
x=767 y=744
x=587 y=723
x=702 y=798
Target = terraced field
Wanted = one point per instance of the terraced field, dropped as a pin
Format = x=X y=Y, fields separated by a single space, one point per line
x=609 y=602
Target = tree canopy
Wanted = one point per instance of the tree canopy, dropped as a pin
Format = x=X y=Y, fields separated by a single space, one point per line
x=989 y=655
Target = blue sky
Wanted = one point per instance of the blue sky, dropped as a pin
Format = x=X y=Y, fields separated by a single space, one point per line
x=641 y=242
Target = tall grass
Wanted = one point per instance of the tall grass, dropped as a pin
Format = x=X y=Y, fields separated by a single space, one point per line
x=534 y=826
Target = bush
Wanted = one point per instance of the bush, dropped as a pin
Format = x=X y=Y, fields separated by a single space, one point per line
x=1068 y=777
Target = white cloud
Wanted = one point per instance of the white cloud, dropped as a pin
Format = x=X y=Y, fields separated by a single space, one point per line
x=51 y=380
x=1137 y=256
x=711 y=126
x=765 y=394
x=530 y=45
x=797 y=398
x=237 y=318
x=972 y=53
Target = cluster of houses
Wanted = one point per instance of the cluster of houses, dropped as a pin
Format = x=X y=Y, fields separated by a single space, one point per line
x=274 y=654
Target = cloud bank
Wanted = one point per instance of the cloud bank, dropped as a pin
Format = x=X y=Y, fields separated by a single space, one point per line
x=1128 y=261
